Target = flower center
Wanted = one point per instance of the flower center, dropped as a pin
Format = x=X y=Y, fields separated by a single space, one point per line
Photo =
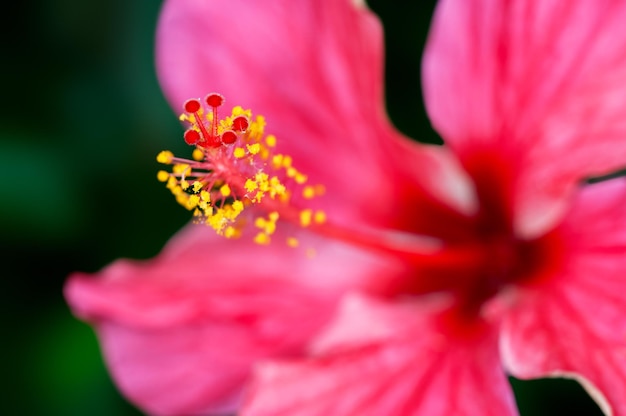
x=234 y=166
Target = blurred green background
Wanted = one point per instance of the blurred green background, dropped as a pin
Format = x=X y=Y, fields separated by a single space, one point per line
x=82 y=120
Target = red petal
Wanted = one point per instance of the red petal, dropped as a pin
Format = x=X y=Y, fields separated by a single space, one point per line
x=421 y=370
x=180 y=332
x=540 y=84
x=575 y=324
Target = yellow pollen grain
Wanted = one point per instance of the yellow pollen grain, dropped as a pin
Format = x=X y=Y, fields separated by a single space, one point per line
x=225 y=190
x=193 y=201
x=287 y=161
x=254 y=148
x=165 y=157
x=305 y=217
x=292 y=242
x=319 y=217
x=262 y=238
x=197 y=154
x=277 y=161
x=300 y=178
x=270 y=228
x=250 y=185
x=239 y=152
x=163 y=176
x=205 y=196
x=197 y=185
x=182 y=199
x=274 y=216
x=230 y=232
x=270 y=140
x=291 y=172
x=181 y=168
x=237 y=206
x=308 y=192
x=260 y=222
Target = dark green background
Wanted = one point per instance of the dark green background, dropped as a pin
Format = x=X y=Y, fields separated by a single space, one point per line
x=81 y=122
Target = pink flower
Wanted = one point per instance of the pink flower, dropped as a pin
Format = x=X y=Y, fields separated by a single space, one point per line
x=483 y=257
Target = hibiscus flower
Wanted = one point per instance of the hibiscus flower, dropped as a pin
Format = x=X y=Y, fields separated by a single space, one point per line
x=447 y=266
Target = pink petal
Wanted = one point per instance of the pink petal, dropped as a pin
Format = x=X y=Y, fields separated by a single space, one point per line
x=416 y=368
x=181 y=332
x=313 y=68
x=540 y=87
x=575 y=324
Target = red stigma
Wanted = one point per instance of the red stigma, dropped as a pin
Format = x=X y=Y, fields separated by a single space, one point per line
x=192 y=137
x=240 y=123
x=229 y=137
x=214 y=100
x=193 y=105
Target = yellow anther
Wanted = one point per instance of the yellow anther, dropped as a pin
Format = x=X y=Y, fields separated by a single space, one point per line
x=270 y=140
x=239 y=152
x=254 y=148
x=184 y=184
x=291 y=172
x=163 y=176
x=277 y=161
x=270 y=227
x=231 y=232
x=308 y=192
x=171 y=183
x=193 y=201
x=305 y=217
x=181 y=168
x=260 y=222
x=237 y=206
x=197 y=154
x=205 y=196
x=197 y=185
x=300 y=178
x=182 y=199
x=319 y=217
x=261 y=177
x=292 y=242
x=250 y=185
x=165 y=157
x=274 y=216
x=257 y=128
x=225 y=190
x=287 y=161
x=262 y=238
